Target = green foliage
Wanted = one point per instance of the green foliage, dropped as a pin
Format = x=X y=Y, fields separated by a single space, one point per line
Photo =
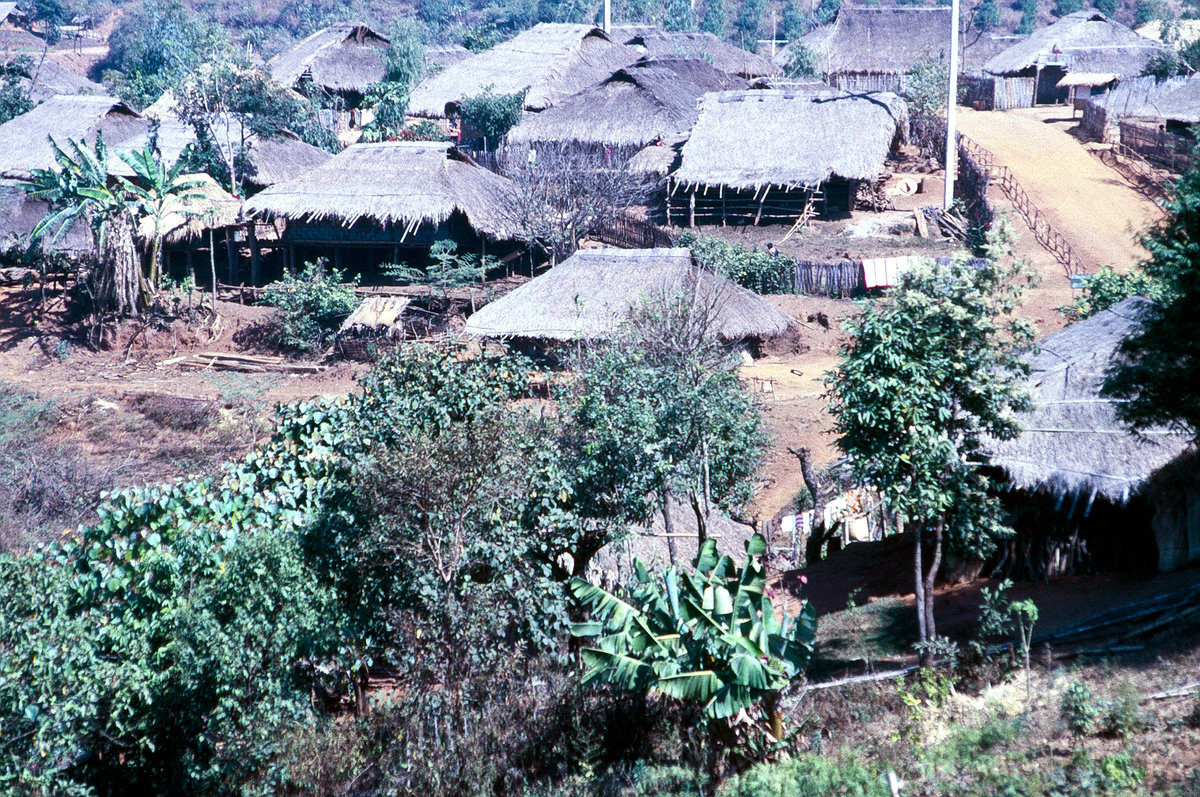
x=679 y=16
x=995 y=621
x=1029 y=9
x=311 y=307
x=1079 y=709
x=1108 y=7
x=750 y=268
x=447 y=269
x=1148 y=11
x=793 y=23
x=803 y=62
x=1165 y=64
x=827 y=11
x=715 y=19
x=1064 y=7
x=987 y=16
x=154 y=46
x=14 y=97
x=1157 y=368
x=926 y=89
x=492 y=115
x=748 y=23
x=389 y=102
x=1108 y=287
x=1124 y=716
x=807 y=775
x=710 y=637
x=404 y=61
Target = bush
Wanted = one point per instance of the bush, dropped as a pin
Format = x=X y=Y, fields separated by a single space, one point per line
x=492 y=115
x=1108 y=287
x=754 y=270
x=1124 y=716
x=807 y=776
x=311 y=306
x=175 y=412
x=1079 y=708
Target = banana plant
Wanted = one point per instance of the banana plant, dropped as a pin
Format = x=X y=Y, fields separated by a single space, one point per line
x=710 y=636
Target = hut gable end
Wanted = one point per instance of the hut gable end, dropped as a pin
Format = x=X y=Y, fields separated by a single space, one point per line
x=1081 y=42
x=881 y=41
x=342 y=58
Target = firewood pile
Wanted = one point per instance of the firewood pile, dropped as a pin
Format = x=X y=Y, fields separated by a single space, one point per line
x=949 y=224
x=245 y=363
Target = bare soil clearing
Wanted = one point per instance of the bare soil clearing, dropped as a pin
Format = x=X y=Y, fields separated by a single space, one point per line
x=1092 y=205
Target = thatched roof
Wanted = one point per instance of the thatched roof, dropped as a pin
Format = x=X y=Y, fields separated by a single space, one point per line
x=657 y=160
x=1180 y=104
x=978 y=50
x=214 y=209
x=394 y=183
x=1086 y=79
x=45 y=78
x=651 y=41
x=888 y=40
x=282 y=158
x=1071 y=442
x=6 y=9
x=589 y=294
x=1085 y=41
x=750 y=139
x=444 y=55
x=376 y=316
x=552 y=61
x=19 y=215
x=18 y=40
x=340 y=58
x=25 y=138
x=640 y=104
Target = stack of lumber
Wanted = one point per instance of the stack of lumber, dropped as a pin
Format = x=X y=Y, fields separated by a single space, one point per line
x=950 y=225
x=247 y=363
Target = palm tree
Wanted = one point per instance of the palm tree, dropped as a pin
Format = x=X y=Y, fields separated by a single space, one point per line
x=79 y=190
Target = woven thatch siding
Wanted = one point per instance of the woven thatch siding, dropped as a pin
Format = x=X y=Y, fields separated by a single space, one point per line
x=589 y=295
x=651 y=41
x=880 y=40
x=402 y=184
x=750 y=139
x=640 y=104
x=341 y=58
x=1085 y=41
x=19 y=215
x=552 y=61
x=24 y=143
x=1071 y=442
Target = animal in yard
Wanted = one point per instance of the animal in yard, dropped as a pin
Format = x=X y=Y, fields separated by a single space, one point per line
x=819 y=318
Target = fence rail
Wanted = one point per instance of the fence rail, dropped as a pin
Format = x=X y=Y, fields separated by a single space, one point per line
x=1045 y=233
x=630 y=233
x=1158 y=146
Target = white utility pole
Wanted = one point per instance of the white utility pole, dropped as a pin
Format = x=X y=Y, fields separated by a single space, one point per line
x=607 y=16
x=951 y=104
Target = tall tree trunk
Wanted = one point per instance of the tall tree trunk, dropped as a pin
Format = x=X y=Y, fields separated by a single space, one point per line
x=668 y=525
x=931 y=576
x=818 y=534
x=119 y=286
x=919 y=591
x=701 y=513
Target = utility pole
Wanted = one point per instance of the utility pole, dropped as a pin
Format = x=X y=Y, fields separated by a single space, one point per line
x=951 y=105
x=607 y=16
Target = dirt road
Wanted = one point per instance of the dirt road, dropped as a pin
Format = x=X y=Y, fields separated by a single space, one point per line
x=1089 y=203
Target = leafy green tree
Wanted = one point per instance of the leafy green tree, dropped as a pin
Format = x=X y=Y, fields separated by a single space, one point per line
x=802 y=61
x=1108 y=7
x=388 y=99
x=492 y=115
x=1028 y=22
x=1148 y=11
x=14 y=97
x=710 y=637
x=1108 y=287
x=986 y=16
x=447 y=270
x=1157 y=368
x=79 y=190
x=1165 y=64
x=311 y=307
x=679 y=16
x=932 y=368
x=794 y=22
x=1064 y=7
x=926 y=89
x=748 y=24
x=827 y=11
x=715 y=19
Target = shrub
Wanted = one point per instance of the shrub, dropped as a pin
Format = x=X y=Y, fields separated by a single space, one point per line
x=492 y=115
x=311 y=307
x=750 y=268
x=1124 y=716
x=807 y=776
x=175 y=412
x=1079 y=708
x=1108 y=287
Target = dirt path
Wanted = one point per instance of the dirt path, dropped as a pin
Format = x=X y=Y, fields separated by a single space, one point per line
x=1089 y=203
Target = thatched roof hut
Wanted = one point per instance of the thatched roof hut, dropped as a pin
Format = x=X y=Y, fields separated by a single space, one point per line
x=25 y=138
x=341 y=59
x=213 y=209
x=550 y=62
x=979 y=49
x=1085 y=41
x=750 y=139
x=19 y=215
x=1180 y=105
x=440 y=56
x=45 y=78
x=589 y=295
x=885 y=42
x=1071 y=442
x=655 y=42
x=402 y=184
x=5 y=10
x=651 y=100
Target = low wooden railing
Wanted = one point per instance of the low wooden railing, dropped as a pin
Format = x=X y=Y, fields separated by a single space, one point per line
x=1043 y=231
x=630 y=233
